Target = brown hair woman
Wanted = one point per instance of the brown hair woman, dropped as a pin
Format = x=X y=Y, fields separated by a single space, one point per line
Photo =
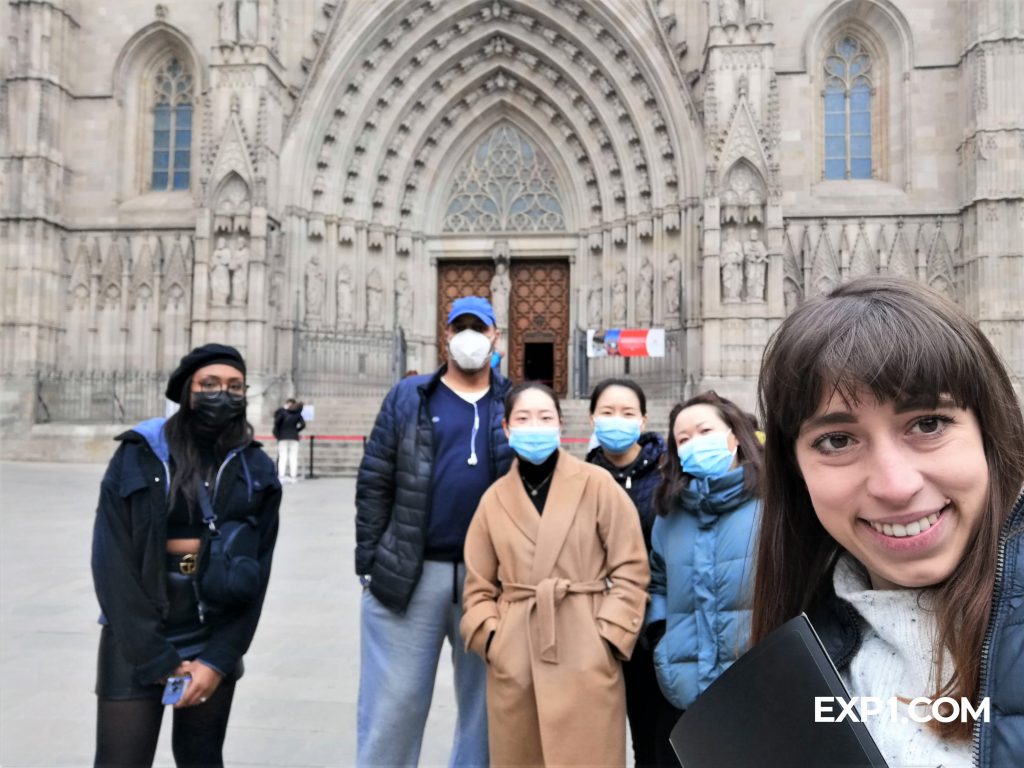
x=893 y=512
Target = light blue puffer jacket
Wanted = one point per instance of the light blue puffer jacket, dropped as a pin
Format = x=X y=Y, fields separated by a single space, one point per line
x=702 y=557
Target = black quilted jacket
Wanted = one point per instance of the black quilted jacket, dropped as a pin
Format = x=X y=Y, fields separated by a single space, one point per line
x=394 y=482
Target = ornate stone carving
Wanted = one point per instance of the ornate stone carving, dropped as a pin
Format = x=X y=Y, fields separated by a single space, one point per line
x=344 y=294
x=645 y=294
x=732 y=267
x=619 y=298
x=501 y=287
x=240 y=272
x=248 y=22
x=314 y=285
x=595 y=301
x=374 y=299
x=404 y=300
x=673 y=284
x=755 y=266
x=220 y=274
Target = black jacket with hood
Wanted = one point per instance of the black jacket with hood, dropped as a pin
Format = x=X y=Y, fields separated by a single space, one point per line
x=130 y=541
x=394 y=484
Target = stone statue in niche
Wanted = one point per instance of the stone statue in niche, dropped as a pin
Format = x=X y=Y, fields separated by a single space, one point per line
x=239 y=272
x=314 y=284
x=374 y=299
x=276 y=290
x=730 y=12
x=790 y=295
x=755 y=266
x=228 y=13
x=645 y=294
x=595 y=299
x=344 y=298
x=673 y=281
x=732 y=268
x=501 y=287
x=220 y=274
x=619 y=297
x=403 y=300
x=248 y=21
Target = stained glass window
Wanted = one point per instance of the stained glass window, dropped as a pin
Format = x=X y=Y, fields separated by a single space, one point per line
x=172 y=128
x=848 y=92
x=506 y=185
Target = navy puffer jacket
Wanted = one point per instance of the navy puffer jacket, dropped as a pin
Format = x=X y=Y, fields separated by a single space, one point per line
x=1000 y=741
x=394 y=482
x=639 y=479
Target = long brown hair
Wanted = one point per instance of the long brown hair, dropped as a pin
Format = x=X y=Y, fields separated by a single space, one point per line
x=749 y=453
x=896 y=340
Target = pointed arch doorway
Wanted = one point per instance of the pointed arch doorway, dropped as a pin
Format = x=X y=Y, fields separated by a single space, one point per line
x=503 y=202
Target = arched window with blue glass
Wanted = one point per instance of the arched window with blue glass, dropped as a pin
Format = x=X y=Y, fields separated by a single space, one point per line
x=172 y=127
x=848 y=95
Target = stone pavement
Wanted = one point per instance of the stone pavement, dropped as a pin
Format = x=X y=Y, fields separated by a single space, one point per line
x=296 y=705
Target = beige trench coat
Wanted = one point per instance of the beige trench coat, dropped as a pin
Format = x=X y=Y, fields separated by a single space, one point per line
x=565 y=594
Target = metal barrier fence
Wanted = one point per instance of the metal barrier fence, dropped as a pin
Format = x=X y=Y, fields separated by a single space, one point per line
x=340 y=363
x=99 y=397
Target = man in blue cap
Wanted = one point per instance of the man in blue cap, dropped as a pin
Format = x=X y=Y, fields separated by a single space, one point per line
x=436 y=446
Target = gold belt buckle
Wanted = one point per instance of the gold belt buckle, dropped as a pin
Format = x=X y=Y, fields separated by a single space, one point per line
x=187 y=564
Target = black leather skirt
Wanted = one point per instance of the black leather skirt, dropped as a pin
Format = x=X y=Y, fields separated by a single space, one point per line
x=184 y=630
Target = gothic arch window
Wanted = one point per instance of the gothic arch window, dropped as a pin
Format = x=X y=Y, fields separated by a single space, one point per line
x=172 y=109
x=504 y=185
x=848 y=95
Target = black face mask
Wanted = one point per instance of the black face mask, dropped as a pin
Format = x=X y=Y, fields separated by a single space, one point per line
x=217 y=409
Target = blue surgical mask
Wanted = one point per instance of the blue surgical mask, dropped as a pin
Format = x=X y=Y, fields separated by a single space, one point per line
x=616 y=434
x=534 y=444
x=706 y=456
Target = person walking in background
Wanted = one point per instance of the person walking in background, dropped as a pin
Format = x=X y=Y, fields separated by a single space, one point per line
x=169 y=607
x=288 y=423
x=554 y=600
x=894 y=514
x=436 y=446
x=702 y=545
x=618 y=414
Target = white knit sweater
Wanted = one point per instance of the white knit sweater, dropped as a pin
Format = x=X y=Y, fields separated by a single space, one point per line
x=895 y=659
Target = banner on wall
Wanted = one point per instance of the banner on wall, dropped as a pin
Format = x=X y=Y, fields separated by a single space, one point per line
x=626 y=342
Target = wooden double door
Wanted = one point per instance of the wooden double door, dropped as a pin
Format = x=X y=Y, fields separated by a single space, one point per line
x=538 y=336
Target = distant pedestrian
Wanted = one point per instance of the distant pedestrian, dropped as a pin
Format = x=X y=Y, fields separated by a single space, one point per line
x=554 y=600
x=702 y=545
x=288 y=423
x=618 y=413
x=173 y=605
x=436 y=446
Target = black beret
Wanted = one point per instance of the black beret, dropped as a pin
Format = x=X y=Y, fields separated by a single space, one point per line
x=208 y=354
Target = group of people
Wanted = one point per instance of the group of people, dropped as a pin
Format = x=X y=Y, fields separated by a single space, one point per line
x=884 y=500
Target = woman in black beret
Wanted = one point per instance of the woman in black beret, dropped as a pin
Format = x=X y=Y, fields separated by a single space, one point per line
x=177 y=495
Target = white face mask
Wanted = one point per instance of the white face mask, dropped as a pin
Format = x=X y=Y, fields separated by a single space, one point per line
x=470 y=350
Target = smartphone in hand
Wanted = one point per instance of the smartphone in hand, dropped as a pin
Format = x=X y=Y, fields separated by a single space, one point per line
x=175 y=689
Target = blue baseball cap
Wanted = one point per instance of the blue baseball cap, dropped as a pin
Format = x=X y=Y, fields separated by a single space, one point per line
x=472 y=305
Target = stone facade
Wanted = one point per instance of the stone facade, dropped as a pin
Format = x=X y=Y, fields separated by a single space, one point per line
x=288 y=176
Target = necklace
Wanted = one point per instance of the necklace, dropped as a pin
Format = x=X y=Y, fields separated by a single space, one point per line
x=535 y=489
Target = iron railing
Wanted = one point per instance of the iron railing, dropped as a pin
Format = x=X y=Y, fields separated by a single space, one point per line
x=104 y=397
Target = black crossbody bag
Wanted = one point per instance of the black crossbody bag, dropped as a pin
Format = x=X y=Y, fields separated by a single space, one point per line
x=229 y=567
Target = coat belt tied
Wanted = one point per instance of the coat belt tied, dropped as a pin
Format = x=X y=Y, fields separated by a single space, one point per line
x=546 y=596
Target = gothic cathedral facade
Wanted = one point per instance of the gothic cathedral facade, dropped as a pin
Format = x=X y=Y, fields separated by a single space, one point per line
x=314 y=182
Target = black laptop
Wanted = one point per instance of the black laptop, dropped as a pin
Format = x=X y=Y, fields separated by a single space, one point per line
x=761 y=711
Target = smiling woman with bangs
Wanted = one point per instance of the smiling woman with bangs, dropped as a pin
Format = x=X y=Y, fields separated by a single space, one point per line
x=893 y=513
